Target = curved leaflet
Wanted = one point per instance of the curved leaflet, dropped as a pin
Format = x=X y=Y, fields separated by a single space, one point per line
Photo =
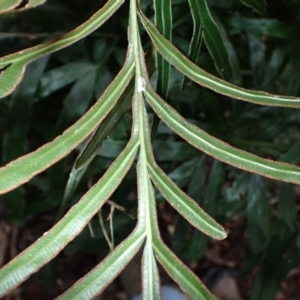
x=218 y=149
x=24 y=168
x=198 y=75
x=26 y=56
x=52 y=242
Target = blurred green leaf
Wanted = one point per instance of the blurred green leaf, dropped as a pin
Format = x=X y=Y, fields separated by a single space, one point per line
x=257 y=58
x=287 y=210
x=258 y=5
x=163 y=21
x=258 y=215
x=196 y=41
x=182 y=174
x=15 y=137
x=260 y=27
x=293 y=86
x=77 y=101
x=231 y=52
x=282 y=257
x=93 y=145
x=198 y=242
x=292 y=155
x=213 y=39
x=16 y=130
x=198 y=179
x=69 y=190
x=274 y=68
x=55 y=79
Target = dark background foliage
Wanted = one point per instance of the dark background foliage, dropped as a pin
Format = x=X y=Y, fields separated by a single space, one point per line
x=261 y=215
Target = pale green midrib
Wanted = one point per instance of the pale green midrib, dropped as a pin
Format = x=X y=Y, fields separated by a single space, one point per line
x=227 y=153
x=230 y=90
x=140 y=105
x=207 y=224
x=87 y=287
x=5 y=184
x=143 y=156
x=218 y=85
x=145 y=180
x=150 y=271
x=66 y=39
x=61 y=232
x=188 y=282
